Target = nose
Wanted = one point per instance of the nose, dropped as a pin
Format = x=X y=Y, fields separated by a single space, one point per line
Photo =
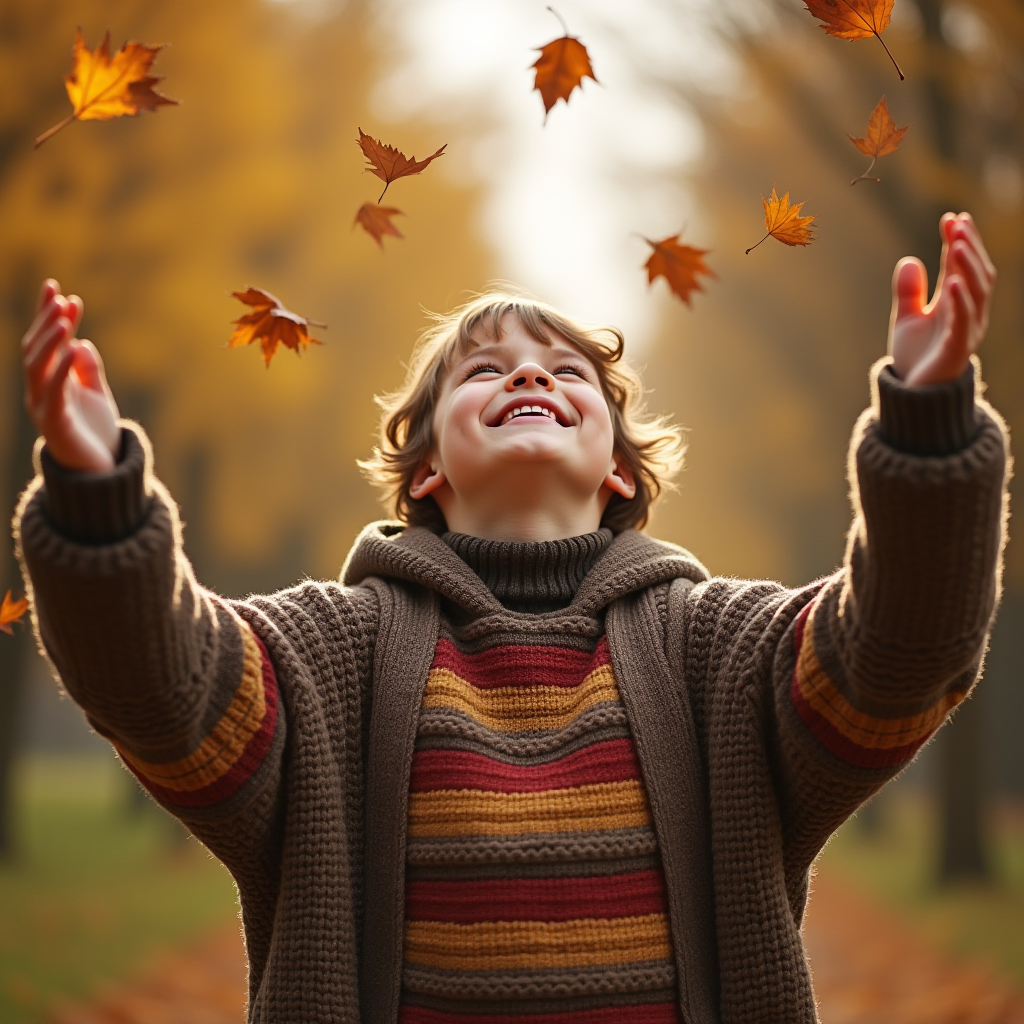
x=530 y=375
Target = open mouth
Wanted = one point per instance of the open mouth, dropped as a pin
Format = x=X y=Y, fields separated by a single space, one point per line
x=531 y=409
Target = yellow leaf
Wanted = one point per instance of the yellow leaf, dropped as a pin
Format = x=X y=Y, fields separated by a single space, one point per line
x=784 y=222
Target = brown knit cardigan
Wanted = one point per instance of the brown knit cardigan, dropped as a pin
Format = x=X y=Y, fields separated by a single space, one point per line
x=744 y=786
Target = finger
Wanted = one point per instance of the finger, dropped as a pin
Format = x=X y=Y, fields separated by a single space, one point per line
x=55 y=306
x=946 y=222
x=52 y=392
x=968 y=230
x=909 y=287
x=76 y=307
x=960 y=342
x=49 y=288
x=89 y=366
x=966 y=264
x=41 y=358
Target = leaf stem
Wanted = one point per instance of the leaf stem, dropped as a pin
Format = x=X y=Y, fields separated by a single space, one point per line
x=891 y=57
x=866 y=176
x=53 y=131
x=755 y=245
x=386 y=183
x=560 y=18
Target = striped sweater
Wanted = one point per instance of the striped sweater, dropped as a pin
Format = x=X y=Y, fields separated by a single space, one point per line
x=391 y=773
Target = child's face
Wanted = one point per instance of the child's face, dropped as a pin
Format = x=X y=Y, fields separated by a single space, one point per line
x=521 y=424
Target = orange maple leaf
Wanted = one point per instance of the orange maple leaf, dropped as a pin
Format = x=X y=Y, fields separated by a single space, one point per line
x=855 y=19
x=784 y=222
x=376 y=221
x=271 y=324
x=881 y=138
x=102 y=87
x=679 y=264
x=11 y=612
x=388 y=163
x=561 y=67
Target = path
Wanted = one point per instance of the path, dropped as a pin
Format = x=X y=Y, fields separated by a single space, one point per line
x=869 y=968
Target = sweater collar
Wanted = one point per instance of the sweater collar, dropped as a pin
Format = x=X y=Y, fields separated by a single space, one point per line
x=531 y=576
x=631 y=562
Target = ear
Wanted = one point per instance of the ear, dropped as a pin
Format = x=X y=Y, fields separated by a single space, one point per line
x=426 y=480
x=620 y=478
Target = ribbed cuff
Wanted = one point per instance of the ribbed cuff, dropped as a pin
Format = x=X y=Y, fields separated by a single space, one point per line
x=934 y=419
x=98 y=508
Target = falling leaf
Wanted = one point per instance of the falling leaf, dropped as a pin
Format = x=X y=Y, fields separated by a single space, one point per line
x=270 y=324
x=388 y=163
x=561 y=67
x=881 y=138
x=855 y=19
x=376 y=221
x=11 y=612
x=784 y=222
x=679 y=264
x=102 y=87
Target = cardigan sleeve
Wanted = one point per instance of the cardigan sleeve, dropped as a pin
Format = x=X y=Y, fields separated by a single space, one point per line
x=860 y=669
x=184 y=683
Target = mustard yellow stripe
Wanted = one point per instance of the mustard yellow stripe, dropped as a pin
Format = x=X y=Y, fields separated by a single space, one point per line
x=865 y=730
x=466 y=812
x=505 y=945
x=224 y=743
x=518 y=709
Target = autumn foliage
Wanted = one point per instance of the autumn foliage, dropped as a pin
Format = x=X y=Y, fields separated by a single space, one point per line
x=561 y=67
x=271 y=324
x=102 y=87
x=855 y=19
x=389 y=163
x=784 y=222
x=376 y=221
x=679 y=264
x=11 y=611
x=881 y=138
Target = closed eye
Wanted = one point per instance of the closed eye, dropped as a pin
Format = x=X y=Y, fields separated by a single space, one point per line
x=571 y=368
x=480 y=368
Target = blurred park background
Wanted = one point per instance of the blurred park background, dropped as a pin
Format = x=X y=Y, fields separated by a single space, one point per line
x=255 y=179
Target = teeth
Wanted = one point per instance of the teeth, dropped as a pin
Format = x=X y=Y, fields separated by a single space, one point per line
x=523 y=410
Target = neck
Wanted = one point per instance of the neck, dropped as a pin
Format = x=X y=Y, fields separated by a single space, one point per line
x=504 y=521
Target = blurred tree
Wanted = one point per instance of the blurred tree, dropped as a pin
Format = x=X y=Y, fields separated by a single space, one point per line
x=255 y=178
x=766 y=441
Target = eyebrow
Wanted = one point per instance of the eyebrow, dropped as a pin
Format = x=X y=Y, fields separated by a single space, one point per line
x=558 y=353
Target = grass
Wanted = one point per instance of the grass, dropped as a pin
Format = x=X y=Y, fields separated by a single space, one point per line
x=97 y=888
x=897 y=866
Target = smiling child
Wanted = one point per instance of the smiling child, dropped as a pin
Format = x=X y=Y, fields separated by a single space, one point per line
x=524 y=764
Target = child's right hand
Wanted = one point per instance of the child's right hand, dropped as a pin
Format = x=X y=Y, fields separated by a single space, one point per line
x=66 y=391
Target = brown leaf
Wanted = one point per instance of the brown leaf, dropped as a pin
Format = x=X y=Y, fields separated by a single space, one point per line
x=376 y=221
x=561 y=67
x=271 y=325
x=679 y=264
x=11 y=612
x=102 y=87
x=881 y=138
x=784 y=222
x=389 y=163
x=855 y=19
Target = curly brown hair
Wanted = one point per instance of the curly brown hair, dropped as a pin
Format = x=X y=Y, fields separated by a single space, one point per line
x=651 y=446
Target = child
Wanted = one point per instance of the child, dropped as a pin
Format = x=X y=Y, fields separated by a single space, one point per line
x=523 y=763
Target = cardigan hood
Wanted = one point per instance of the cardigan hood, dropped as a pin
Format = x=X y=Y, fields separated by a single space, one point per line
x=632 y=562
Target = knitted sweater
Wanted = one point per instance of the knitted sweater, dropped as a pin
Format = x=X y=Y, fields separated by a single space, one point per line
x=534 y=890
x=282 y=729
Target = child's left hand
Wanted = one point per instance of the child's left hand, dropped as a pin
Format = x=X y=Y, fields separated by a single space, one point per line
x=932 y=344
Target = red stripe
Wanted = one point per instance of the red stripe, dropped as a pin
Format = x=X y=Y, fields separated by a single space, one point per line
x=647 y=1013
x=611 y=761
x=252 y=756
x=521 y=664
x=828 y=735
x=537 y=899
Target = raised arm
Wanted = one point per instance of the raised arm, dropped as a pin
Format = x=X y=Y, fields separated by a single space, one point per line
x=174 y=676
